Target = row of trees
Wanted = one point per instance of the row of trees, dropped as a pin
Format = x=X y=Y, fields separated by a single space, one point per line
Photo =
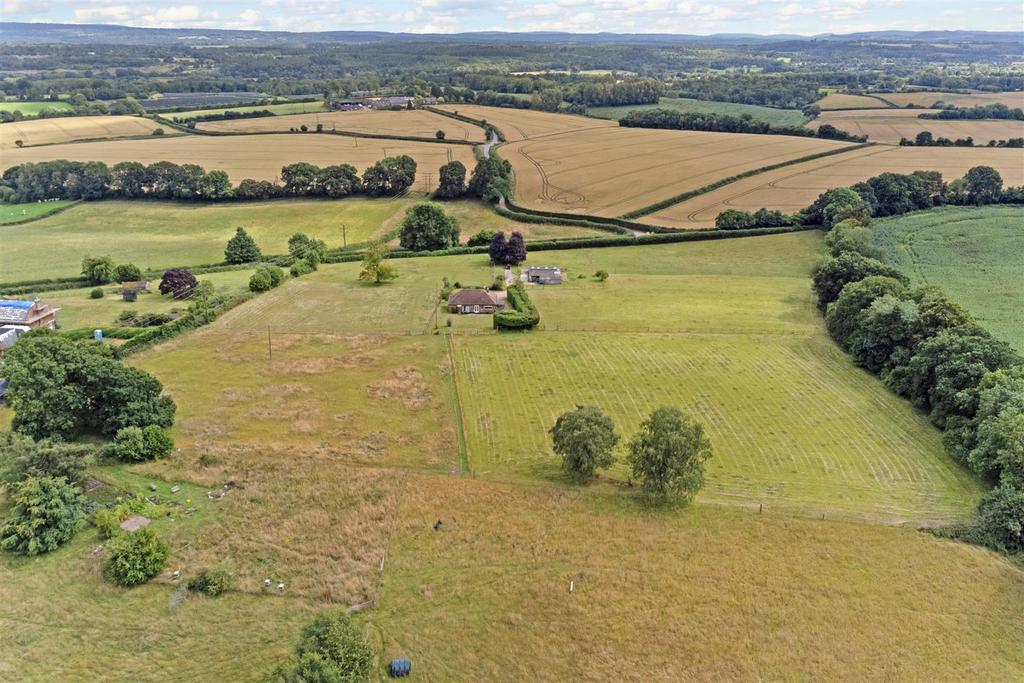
x=887 y=194
x=928 y=349
x=977 y=112
x=675 y=119
x=667 y=454
x=64 y=179
x=926 y=139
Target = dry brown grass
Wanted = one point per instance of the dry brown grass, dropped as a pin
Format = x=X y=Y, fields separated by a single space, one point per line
x=303 y=439
x=72 y=128
x=705 y=593
x=416 y=123
x=928 y=98
x=794 y=187
x=838 y=100
x=610 y=171
x=523 y=124
x=259 y=156
x=889 y=125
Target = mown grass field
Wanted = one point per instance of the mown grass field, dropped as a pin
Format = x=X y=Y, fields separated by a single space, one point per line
x=887 y=126
x=16 y=213
x=976 y=254
x=258 y=156
x=416 y=123
x=707 y=593
x=926 y=98
x=74 y=128
x=280 y=109
x=611 y=171
x=776 y=117
x=32 y=108
x=794 y=187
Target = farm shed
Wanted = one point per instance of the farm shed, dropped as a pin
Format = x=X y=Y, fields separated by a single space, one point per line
x=544 y=275
x=30 y=314
x=473 y=301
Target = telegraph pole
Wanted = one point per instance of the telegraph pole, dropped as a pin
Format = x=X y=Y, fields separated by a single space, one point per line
x=344 y=235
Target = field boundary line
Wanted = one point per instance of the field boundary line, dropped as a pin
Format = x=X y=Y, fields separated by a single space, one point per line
x=465 y=466
x=680 y=198
x=54 y=212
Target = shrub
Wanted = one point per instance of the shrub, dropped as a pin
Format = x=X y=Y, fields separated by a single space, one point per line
x=108 y=520
x=21 y=457
x=139 y=444
x=135 y=557
x=481 y=239
x=439 y=135
x=178 y=282
x=1001 y=519
x=585 y=438
x=211 y=582
x=601 y=275
x=521 y=314
x=96 y=293
x=266 y=278
x=157 y=131
x=45 y=514
x=329 y=649
x=300 y=268
x=127 y=272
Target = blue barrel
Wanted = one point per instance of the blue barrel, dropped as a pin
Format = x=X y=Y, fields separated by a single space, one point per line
x=400 y=667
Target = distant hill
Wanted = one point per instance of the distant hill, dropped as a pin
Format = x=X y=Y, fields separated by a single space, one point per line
x=27 y=33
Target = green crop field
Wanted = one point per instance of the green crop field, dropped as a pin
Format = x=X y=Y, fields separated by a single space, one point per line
x=30 y=109
x=280 y=109
x=16 y=213
x=776 y=117
x=975 y=254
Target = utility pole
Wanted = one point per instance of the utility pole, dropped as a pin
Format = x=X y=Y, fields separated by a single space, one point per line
x=344 y=235
x=427 y=178
x=270 y=348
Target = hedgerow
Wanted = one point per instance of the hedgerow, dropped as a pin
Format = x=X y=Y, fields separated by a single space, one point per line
x=521 y=314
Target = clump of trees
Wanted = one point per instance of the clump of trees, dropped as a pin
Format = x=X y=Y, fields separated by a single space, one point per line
x=426 y=227
x=180 y=283
x=491 y=179
x=391 y=176
x=510 y=252
x=329 y=649
x=667 y=454
x=451 y=181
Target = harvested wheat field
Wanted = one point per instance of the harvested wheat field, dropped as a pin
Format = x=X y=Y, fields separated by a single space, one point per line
x=794 y=187
x=611 y=171
x=929 y=98
x=838 y=100
x=259 y=157
x=416 y=123
x=523 y=124
x=887 y=126
x=74 y=128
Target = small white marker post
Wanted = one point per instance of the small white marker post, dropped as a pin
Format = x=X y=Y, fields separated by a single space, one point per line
x=572 y=585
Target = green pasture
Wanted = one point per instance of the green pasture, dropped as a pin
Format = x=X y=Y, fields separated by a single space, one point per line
x=16 y=213
x=29 y=109
x=776 y=117
x=279 y=109
x=976 y=254
x=79 y=310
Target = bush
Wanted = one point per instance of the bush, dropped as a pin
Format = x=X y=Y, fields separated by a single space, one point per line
x=330 y=649
x=266 y=278
x=21 y=457
x=135 y=557
x=482 y=238
x=178 y=282
x=108 y=520
x=1001 y=519
x=135 y=444
x=45 y=514
x=439 y=135
x=300 y=268
x=211 y=582
x=601 y=275
x=127 y=272
x=96 y=293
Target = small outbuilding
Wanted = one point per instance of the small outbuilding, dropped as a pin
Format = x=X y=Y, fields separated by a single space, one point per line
x=473 y=301
x=544 y=275
x=31 y=314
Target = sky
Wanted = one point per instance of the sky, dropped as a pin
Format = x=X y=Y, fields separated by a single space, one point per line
x=579 y=16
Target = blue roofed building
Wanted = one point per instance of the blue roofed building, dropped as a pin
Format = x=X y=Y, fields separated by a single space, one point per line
x=31 y=314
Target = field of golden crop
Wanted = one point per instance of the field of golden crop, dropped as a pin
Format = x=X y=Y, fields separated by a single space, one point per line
x=839 y=100
x=794 y=187
x=887 y=126
x=523 y=124
x=928 y=98
x=611 y=171
x=260 y=156
x=416 y=123
x=72 y=128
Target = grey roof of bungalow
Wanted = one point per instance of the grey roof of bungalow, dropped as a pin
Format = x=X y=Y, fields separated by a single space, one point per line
x=471 y=297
